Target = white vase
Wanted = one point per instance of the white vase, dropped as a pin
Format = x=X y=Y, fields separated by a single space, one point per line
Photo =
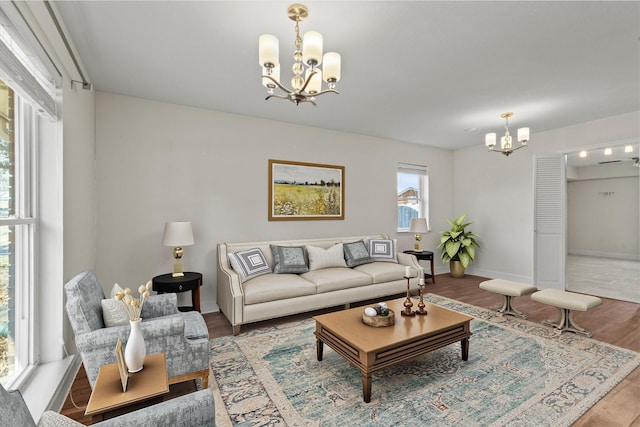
x=135 y=350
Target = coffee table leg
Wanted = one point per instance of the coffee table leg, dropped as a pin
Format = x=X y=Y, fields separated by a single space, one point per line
x=465 y=348
x=366 y=387
x=319 y=349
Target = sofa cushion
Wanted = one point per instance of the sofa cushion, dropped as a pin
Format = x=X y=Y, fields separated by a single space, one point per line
x=383 y=250
x=272 y=287
x=356 y=253
x=320 y=258
x=381 y=272
x=289 y=259
x=249 y=264
x=333 y=279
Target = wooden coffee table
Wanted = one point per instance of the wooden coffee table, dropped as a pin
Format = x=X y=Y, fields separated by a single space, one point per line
x=143 y=389
x=370 y=349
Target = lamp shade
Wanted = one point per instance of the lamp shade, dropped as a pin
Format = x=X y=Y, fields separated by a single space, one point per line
x=268 y=50
x=418 y=225
x=177 y=234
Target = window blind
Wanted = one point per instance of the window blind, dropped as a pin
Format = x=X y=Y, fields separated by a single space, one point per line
x=412 y=169
x=25 y=65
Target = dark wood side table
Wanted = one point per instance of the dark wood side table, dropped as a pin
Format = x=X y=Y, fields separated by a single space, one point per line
x=189 y=282
x=426 y=256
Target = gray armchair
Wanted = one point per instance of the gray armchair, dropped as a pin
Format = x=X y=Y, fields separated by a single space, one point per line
x=183 y=337
x=191 y=410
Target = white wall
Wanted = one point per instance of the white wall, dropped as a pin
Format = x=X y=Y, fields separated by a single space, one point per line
x=603 y=217
x=160 y=162
x=497 y=191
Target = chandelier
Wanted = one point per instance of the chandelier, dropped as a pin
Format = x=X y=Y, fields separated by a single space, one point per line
x=307 y=57
x=506 y=142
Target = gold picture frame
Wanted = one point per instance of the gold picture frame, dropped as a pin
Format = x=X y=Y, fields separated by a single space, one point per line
x=305 y=191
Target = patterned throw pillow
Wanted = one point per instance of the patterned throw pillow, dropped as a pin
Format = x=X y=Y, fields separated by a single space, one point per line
x=249 y=264
x=325 y=258
x=289 y=259
x=383 y=250
x=356 y=253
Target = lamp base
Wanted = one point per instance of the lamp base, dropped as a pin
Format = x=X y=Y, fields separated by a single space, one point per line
x=417 y=247
x=177 y=269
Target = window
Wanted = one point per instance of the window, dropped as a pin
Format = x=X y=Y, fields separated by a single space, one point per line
x=17 y=225
x=29 y=86
x=413 y=194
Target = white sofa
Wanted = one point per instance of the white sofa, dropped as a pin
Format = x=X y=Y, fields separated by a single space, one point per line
x=273 y=295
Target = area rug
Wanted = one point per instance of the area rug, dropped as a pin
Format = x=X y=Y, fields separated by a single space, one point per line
x=519 y=373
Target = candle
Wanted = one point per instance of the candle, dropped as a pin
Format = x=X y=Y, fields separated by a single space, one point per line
x=421 y=280
x=421 y=273
x=407 y=272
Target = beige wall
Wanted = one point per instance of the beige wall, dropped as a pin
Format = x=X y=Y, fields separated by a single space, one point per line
x=497 y=191
x=160 y=162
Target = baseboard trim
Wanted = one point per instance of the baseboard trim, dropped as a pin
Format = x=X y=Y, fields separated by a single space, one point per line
x=628 y=257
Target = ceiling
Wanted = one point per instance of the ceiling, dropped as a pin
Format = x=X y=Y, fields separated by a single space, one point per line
x=437 y=73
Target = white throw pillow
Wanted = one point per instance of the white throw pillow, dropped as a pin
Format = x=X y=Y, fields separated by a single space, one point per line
x=114 y=313
x=326 y=258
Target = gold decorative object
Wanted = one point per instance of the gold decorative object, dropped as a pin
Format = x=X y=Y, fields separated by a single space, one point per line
x=421 y=311
x=408 y=303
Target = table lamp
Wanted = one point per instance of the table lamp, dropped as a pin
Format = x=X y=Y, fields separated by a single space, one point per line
x=177 y=234
x=418 y=226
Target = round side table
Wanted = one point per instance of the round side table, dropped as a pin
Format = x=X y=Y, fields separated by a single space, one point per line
x=426 y=256
x=189 y=282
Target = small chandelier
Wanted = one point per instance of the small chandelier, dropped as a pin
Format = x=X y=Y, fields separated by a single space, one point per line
x=308 y=53
x=506 y=145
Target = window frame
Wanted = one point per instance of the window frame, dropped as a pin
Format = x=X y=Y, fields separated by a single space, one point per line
x=423 y=191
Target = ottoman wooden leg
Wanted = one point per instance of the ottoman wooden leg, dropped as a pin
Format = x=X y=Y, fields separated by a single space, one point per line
x=566 y=323
x=508 y=308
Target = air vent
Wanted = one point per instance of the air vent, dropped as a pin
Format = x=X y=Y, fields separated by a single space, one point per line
x=610 y=161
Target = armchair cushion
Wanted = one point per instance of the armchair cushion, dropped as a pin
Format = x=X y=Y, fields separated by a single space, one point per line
x=114 y=313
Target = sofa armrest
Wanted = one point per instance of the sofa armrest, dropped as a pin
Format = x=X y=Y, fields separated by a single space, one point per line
x=159 y=306
x=191 y=410
x=408 y=259
x=230 y=295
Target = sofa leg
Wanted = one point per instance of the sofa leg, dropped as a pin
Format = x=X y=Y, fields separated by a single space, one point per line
x=236 y=329
x=347 y=306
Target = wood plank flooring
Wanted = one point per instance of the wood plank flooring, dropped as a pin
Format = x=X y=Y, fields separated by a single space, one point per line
x=615 y=322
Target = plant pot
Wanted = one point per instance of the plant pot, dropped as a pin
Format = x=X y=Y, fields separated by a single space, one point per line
x=456 y=268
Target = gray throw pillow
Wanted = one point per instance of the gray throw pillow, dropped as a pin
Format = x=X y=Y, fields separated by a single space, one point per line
x=383 y=250
x=249 y=264
x=289 y=259
x=356 y=253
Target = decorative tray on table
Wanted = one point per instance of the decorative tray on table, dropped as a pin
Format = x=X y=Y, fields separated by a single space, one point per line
x=379 y=316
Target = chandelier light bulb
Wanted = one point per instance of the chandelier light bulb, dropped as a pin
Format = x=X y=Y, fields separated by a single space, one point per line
x=490 y=140
x=312 y=48
x=268 y=51
x=331 y=68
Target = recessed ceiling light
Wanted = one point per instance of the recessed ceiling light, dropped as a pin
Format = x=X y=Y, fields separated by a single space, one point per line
x=608 y=151
x=583 y=154
x=628 y=149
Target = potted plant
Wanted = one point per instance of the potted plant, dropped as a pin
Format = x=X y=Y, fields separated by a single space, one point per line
x=458 y=246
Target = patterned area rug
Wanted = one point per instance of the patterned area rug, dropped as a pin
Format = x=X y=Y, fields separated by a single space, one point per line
x=519 y=373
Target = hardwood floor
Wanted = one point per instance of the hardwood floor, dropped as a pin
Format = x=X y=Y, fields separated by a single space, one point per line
x=615 y=322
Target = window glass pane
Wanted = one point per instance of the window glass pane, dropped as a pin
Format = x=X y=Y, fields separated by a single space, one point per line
x=412 y=194
x=7 y=263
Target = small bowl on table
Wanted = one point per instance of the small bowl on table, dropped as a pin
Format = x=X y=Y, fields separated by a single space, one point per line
x=380 y=321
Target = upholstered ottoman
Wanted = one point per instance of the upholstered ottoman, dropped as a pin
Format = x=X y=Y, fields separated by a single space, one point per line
x=566 y=302
x=508 y=290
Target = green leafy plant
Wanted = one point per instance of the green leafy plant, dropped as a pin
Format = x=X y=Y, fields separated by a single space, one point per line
x=458 y=244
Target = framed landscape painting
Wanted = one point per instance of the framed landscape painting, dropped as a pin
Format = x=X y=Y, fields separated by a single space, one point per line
x=305 y=191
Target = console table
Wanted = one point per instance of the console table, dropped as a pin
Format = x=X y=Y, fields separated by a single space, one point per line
x=189 y=282
x=426 y=256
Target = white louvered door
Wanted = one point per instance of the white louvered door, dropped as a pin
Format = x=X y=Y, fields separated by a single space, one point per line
x=550 y=219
